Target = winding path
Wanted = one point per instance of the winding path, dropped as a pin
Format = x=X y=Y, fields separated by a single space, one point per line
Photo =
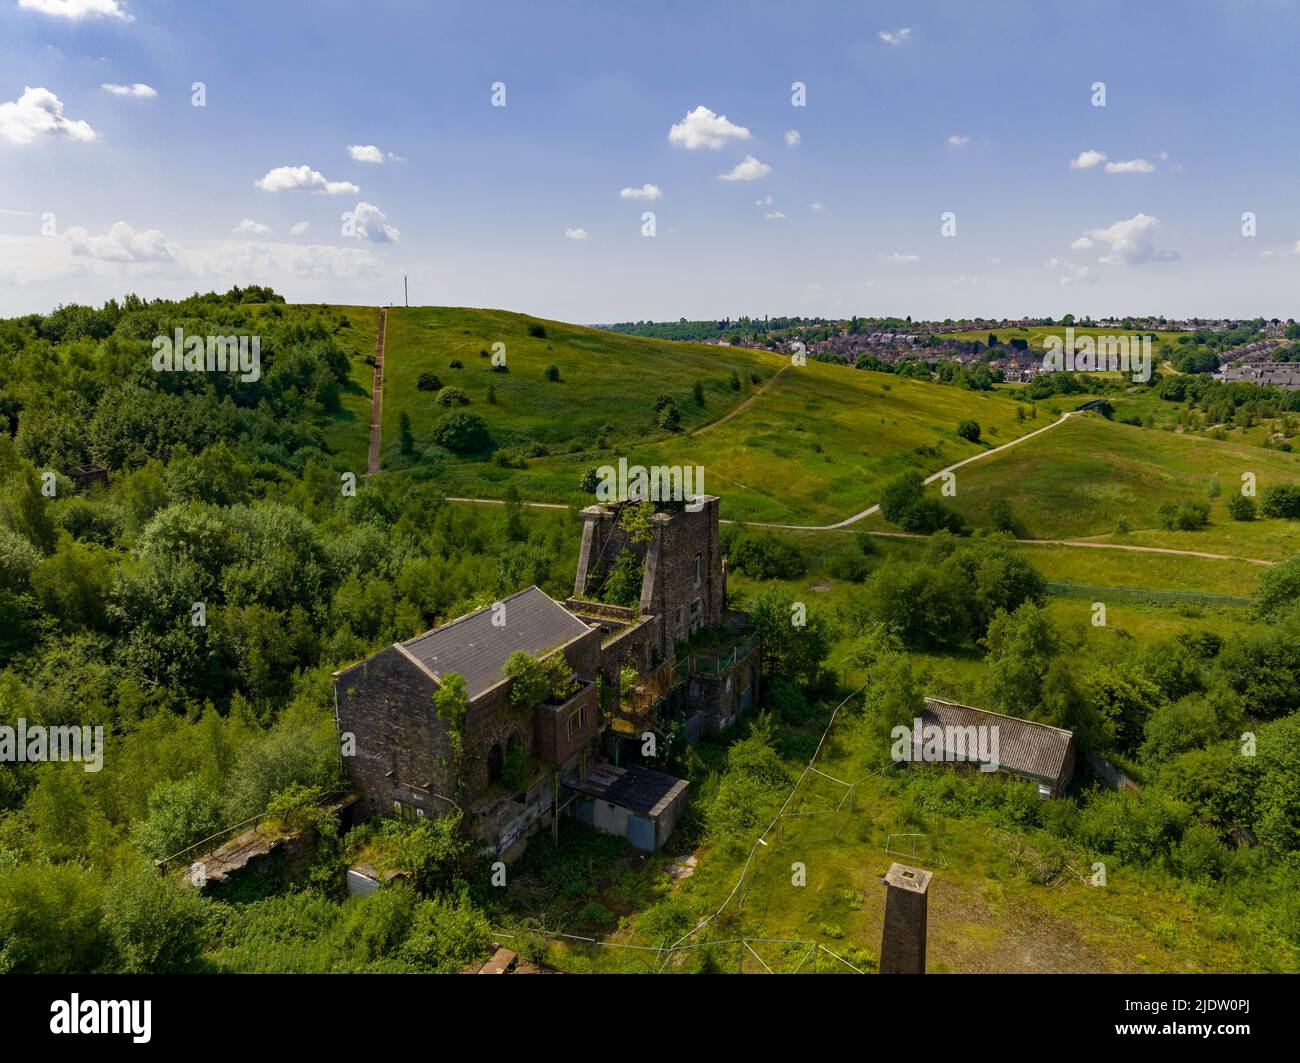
x=870 y=510
x=929 y=480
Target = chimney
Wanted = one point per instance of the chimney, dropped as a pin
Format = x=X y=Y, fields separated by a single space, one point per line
x=902 y=944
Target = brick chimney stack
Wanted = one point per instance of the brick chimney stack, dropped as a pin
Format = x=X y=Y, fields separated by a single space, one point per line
x=902 y=943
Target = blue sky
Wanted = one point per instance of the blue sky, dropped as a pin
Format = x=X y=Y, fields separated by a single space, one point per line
x=912 y=110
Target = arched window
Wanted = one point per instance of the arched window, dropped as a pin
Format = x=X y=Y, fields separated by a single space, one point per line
x=494 y=762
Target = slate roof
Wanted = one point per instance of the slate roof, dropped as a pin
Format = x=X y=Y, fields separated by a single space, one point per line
x=476 y=648
x=635 y=788
x=1024 y=747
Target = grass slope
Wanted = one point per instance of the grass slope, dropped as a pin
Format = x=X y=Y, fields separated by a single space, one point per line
x=1078 y=480
x=814 y=446
x=607 y=388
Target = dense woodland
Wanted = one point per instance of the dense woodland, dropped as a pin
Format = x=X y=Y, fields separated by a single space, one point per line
x=225 y=494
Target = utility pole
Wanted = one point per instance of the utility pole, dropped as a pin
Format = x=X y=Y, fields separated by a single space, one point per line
x=406 y=292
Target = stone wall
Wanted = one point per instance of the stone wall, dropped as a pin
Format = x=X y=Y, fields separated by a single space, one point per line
x=401 y=747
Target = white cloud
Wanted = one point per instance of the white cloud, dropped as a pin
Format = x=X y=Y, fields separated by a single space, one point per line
x=817 y=205
x=1087 y=160
x=897 y=37
x=1130 y=166
x=78 y=9
x=646 y=191
x=701 y=128
x=1081 y=244
x=37 y=113
x=299 y=228
x=1072 y=273
x=1132 y=241
x=17 y=213
x=748 y=170
x=246 y=259
x=322 y=262
x=365 y=153
x=901 y=260
x=372 y=224
x=964 y=280
x=248 y=227
x=138 y=89
x=303 y=179
x=577 y=234
x=766 y=201
x=775 y=215
x=121 y=244
x=957 y=140
x=792 y=138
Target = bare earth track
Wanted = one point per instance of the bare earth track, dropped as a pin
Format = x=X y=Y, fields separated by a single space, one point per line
x=377 y=396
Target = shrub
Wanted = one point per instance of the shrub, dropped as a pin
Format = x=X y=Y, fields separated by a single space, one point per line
x=969 y=430
x=428 y=382
x=1241 y=507
x=1282 y=501
x=904 y=503
x=698 y=392
x=500 y=367
x=457 y=364
x=1187 y=515
x=735 y=381
x=763 y=555
x=849 y=564
x=537 y=331
x=552 y=373
x=669 y=417
x=452 y=397
x=462 y=432
x=590 y=480
x=509 y=459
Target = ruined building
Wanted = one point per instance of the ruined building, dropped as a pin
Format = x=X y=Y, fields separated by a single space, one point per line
x=641 y=678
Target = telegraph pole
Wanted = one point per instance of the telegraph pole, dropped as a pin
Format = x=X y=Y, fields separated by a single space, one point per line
x=406 y=292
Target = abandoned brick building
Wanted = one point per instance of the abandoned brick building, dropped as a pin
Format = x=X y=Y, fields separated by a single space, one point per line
x=674 y=666
x=1027 y=750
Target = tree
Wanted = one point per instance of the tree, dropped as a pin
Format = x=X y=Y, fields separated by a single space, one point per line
x=969 y=430
x=404 y=433
x=796 y=651
x=156 y=922
x=429 y=382
x=1278 y=590
x=698 y=392
x=763 y=555
x=552 y=373
x=531 y=683
x=463 y=432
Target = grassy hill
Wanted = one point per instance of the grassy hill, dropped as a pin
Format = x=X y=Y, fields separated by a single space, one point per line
x=1079 y=479
x=813 y=445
